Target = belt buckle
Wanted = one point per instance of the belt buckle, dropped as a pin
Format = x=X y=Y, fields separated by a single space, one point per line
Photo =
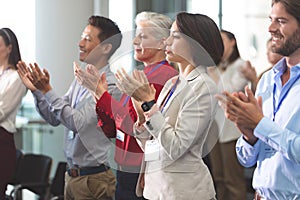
x=74 y=172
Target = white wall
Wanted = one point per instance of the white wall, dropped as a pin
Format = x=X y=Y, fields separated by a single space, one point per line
x=19 y=16
x=59 y=24
x=58 y=28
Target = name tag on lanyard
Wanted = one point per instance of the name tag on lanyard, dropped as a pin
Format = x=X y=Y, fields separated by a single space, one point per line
x=152 y=150
x=70 y=135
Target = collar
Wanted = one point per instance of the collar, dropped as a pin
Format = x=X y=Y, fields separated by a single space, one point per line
x=105 y=68
x=195 y=73
x=280 y=67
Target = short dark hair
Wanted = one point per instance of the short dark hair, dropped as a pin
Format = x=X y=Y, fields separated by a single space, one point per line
x=109 y=31
x=10 y=38
x=291 y=6
x=235 y=54
x=204 y=31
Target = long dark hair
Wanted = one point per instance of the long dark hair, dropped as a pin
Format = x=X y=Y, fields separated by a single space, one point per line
x=235 y=53
x=204 y=31
x=10 y=39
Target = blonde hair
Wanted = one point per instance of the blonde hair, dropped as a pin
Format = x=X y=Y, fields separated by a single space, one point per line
x=160 y=22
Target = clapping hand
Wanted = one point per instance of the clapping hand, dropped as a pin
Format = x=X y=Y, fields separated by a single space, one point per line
x=33 y=77
x=139 y=111
x=244 y=110
x=39 y=78
x=88 y=80
x=24 y=73
x=102 y=85
x=136 y=86
x=91 y=79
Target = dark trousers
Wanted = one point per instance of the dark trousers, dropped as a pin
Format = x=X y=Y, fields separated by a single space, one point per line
x=7 y=159
x=228 y=174
x=126 y=183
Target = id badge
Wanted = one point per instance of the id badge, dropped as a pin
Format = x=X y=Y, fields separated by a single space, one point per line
x=152 y=150
x=120 y=136
x=71 y=135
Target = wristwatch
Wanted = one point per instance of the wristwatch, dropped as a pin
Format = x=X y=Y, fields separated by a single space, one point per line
x=146 y=106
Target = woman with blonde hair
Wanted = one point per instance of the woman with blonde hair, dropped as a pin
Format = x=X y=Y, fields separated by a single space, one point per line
x=116 y=117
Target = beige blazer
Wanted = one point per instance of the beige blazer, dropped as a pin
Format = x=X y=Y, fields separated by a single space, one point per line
x=181 y=130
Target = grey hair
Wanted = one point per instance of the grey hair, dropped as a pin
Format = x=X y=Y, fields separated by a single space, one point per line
x=160 y=22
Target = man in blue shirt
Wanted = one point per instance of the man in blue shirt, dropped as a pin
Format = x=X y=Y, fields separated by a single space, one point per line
x=270 y=124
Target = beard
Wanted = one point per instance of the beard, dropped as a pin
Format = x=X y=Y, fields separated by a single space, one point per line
x=290 y=45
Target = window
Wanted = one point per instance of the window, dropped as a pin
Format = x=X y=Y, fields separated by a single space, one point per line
x=248 y=20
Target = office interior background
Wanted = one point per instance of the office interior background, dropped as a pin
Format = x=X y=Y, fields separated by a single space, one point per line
x=49 y=30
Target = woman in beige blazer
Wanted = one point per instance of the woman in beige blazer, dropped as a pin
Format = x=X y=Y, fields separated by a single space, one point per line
x=172 y=131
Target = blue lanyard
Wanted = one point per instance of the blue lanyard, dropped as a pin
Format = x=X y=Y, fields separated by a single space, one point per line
x=126 y=100
x=170 y=94
x=156 y=67
x=147 y=74
x=275 y=109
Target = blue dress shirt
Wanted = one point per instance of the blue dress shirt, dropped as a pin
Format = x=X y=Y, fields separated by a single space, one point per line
x=277 y=151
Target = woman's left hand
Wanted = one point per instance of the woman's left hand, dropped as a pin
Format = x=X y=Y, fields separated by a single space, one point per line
x=136 y=86
x=140 y=113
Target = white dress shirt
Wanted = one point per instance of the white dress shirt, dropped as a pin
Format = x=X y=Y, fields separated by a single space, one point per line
x=12 y=90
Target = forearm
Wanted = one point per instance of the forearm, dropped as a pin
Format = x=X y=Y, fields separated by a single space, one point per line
x=282 y=140
x=248 y=135
x=105 y=116
x=43 y=108
x=56 y=110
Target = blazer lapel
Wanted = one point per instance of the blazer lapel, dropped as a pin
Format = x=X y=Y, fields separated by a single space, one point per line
x=165 y=95
x=181 y=84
